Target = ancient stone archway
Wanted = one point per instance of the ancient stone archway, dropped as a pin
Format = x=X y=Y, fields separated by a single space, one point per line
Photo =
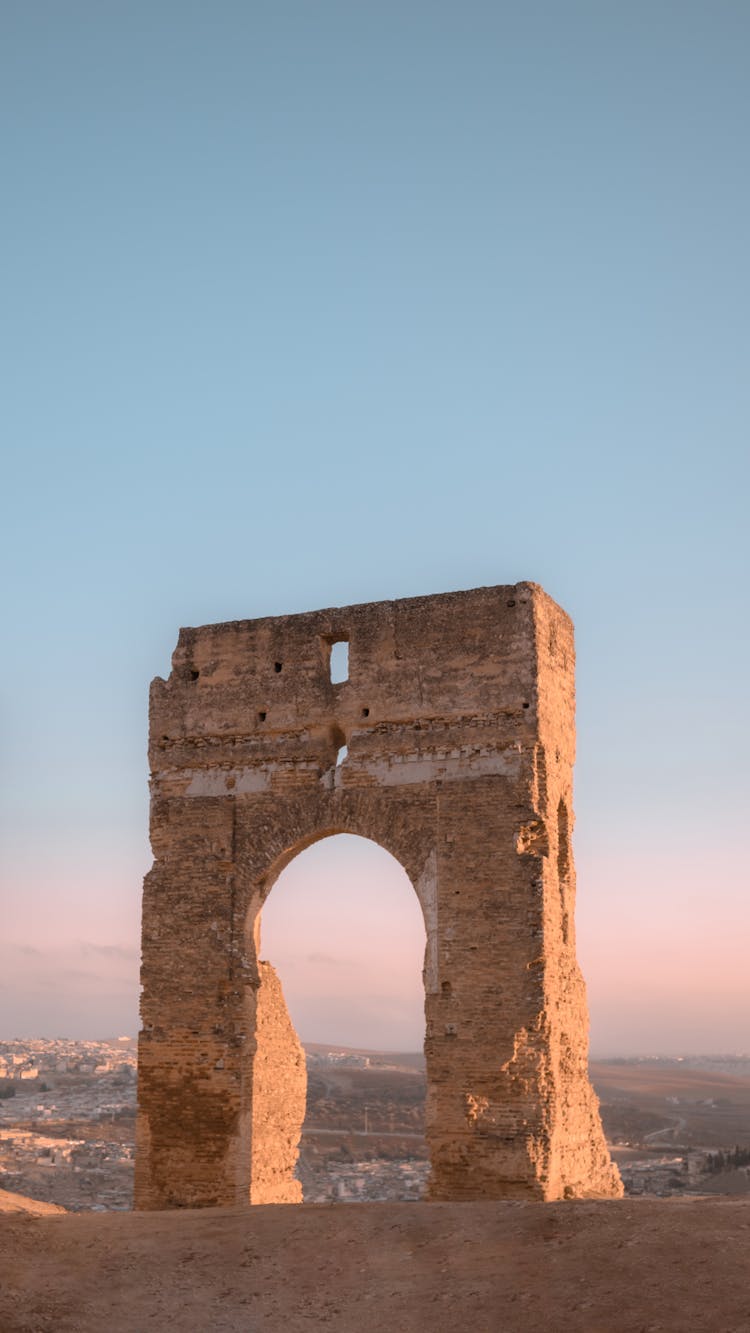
x=345 y=930
x=279 y=1074
x=458 y=723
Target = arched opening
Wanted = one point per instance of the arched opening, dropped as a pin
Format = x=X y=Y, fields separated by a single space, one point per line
x=343 y=930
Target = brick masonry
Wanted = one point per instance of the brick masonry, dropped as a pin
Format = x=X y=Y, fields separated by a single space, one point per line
x=458 y=715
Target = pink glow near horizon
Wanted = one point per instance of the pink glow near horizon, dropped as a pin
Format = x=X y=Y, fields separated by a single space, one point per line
x=663 y=953
x=665 y=968
x=344 y=930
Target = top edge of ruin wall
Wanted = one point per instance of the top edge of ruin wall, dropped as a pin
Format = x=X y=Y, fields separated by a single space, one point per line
x=334 y=618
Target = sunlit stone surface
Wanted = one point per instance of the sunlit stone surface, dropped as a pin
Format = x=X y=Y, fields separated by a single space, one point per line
x=451 y=744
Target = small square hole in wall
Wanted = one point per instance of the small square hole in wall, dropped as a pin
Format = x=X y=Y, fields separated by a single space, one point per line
x=339 y=661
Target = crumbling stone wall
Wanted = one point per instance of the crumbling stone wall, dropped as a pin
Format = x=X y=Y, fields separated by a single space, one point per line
x=279 y=1094
x=458 y=715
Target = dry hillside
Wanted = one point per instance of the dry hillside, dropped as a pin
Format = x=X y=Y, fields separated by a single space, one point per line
x=613 y=1267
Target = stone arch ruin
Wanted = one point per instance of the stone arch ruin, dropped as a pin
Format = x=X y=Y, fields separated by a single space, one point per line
x=451 y=744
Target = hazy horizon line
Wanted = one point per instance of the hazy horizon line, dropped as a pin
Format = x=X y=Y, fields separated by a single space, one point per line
x=598 y=1056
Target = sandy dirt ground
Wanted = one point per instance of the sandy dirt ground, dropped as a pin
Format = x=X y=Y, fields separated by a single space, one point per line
x=635 y=1266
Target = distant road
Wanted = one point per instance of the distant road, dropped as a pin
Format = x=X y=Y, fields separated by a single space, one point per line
x=673 y=1130
x=365 y=1133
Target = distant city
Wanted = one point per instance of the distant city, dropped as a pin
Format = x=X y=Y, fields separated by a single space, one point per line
x=67 y=1121
x=676 y=1125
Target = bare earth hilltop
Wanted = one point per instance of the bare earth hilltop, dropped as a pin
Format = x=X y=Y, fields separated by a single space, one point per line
x=629 y=1266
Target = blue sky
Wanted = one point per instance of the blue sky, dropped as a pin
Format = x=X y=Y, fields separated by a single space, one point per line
x=307 y=304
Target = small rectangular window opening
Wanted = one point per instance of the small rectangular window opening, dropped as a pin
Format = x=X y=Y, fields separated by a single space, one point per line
x=339 y=662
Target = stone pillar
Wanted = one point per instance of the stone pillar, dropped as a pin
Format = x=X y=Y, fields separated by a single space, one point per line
x=278 y=1097
x=194 y=1058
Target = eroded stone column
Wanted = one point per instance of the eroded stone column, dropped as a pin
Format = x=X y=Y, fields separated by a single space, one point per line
x=278 y=1096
